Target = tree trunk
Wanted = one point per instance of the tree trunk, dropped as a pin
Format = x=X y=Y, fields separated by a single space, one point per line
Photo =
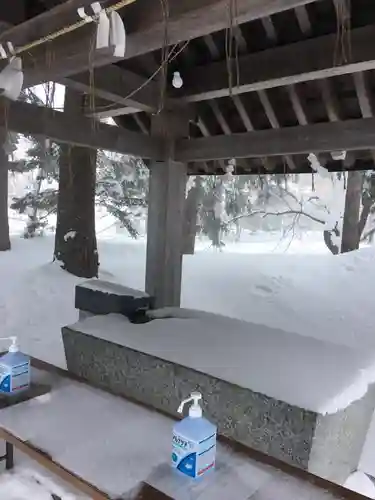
x=75 y=241
x=191 y=215
x=350 y=232
x=4 y=221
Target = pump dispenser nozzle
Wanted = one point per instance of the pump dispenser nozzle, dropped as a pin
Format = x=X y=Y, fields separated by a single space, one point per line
x=195 y=410
x=14 y=345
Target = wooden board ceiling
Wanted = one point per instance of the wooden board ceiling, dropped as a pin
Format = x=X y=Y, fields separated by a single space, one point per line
x=281 y=68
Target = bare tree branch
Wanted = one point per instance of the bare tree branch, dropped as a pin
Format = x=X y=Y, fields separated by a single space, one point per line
x=264 y=214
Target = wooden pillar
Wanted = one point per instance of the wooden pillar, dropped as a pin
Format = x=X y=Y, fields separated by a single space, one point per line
x=166 y=213
x=4 y=221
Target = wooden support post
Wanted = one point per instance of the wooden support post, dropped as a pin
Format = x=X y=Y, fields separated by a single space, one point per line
x=4 y=222
x=166 y=213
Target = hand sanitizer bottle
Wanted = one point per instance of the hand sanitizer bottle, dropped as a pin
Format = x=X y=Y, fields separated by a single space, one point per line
x=14 y=370
x=194 y=441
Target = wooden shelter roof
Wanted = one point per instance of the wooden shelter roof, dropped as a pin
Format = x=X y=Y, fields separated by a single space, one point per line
x=266 y=81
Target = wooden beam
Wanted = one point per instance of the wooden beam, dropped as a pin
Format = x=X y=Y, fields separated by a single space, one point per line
x=116 y=84
x=269 y=28
x=297 y=104
x=350 y=135
x=303 y=19
x=299 y=62
x=243 y=113
x=212 y=47
x=364 y=99
x=145 y=27
x=33 y=120
x=364 y=95
x=220 y=117
x=271 y=115
x=330 y=100
x=141 y=124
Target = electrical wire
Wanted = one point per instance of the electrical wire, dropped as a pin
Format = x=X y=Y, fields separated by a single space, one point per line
x=171 y=57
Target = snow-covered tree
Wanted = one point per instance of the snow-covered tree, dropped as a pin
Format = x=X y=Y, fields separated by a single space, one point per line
x=40 y=199
x=122 y=187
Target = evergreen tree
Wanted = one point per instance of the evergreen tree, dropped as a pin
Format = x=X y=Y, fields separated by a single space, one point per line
x=122 y=187
x=40 y=200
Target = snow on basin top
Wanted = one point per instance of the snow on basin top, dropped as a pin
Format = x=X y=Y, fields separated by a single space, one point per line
x=302 y=371
x=109 y=287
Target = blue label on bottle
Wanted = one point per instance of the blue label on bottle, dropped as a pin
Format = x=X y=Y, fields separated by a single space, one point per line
x=5 y=384
x=188 y=465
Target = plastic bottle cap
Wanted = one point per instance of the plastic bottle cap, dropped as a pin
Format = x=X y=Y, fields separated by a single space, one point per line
x=195 y=410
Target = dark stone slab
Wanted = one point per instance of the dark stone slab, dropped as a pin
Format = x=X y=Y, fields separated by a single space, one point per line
x=102 y=297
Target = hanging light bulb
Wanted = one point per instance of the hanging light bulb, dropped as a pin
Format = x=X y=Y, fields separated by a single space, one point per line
x=177 y=81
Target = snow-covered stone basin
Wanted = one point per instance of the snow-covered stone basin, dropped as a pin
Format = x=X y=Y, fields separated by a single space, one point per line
x=289 y=395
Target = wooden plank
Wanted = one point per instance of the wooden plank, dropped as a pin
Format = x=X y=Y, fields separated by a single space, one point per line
x=350 y=135
x=48 y=463
x=269 y=28
x=364 y=99
x=299 y=62
x=243 y=113
x=363 y=94
x=297 y=105
x=330 y=100
x=271 y=115
x=106 y=109
x=220 y=117
x=27 y=118
x=141 y=124
x=303 y=19
x=116 y=84
x=188 y=19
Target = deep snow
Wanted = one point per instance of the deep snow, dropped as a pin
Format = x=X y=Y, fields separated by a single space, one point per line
x=305 y=291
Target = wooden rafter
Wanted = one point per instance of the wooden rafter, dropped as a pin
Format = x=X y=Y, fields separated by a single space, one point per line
x=115 y=85
x=297 y=104
x=312 y=59
x=141 y=124
x=146 y=32
x=303 y=19
x=364 y=99
x=330 y=100
x=364 y=96
x=220 y=117
x=243 y=113
x=269 y=28
x=349 y=135
x=271 y=115
x=29 y=119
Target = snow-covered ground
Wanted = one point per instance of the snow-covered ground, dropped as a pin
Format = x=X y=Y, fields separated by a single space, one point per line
x=304 y=290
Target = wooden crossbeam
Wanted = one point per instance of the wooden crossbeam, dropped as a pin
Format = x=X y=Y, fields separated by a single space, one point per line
x=145 y=27
x=311 y=59
x=33 y=120
x=350 y=135
x=117 y=85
